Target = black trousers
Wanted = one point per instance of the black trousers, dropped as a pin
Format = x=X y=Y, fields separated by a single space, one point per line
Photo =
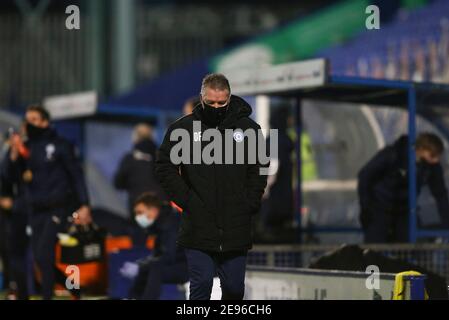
x=18 y=244
x=4 y=243
x=230 y=267
x=45 y=227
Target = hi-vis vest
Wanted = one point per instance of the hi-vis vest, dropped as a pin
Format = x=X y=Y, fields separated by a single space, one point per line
x=308 y=164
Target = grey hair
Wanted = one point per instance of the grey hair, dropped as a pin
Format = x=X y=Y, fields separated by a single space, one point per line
x=215 y=81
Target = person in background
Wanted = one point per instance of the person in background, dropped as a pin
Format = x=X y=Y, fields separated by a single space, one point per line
x=383 y=187
x=189 y=105
x=309 y=172
x=5 y=221
x=50 y=170
x=168 y=263
x=14 y=207
x=135 y=172
x=279 y=202
x=404 y=61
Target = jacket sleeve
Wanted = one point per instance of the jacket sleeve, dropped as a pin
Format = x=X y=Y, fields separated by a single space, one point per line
x=256 y=182
x=371 y=172
x=11 y=173
x=438 y=189
x=6 y=181
x=73 y=167
x=169 y=247
x=168 y=173
x=120 y=178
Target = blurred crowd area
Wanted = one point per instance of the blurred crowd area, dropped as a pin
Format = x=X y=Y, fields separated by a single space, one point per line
x=414 y=46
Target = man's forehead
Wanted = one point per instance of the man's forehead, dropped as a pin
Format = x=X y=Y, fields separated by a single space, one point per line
x=216 y=94
x=140 y=206
x=32 y=114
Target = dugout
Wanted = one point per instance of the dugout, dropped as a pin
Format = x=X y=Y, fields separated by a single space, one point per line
x=312 y=80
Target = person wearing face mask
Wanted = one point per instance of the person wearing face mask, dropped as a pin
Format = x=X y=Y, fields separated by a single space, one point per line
x=218 y=198
x=52 y=176
x=213 y=116
x=383 y=188
x=167 y=264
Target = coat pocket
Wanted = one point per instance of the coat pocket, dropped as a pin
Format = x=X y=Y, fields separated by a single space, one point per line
x=242 y=200
x=194 y=202
x=199 y=216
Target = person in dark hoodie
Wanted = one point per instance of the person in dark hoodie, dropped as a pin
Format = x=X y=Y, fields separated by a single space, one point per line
x=53 y=178
x=383 y=188
x=14 y=204
x=279 y=204
x=218 y=198
x=135 y=173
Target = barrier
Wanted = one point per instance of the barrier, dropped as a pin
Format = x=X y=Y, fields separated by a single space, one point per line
x=264 y=283
x=431 y=256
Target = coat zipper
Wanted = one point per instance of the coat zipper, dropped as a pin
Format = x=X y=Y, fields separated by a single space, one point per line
x=220 y=231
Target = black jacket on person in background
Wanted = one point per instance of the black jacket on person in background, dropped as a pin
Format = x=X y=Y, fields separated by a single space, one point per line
x=135 y=174
x=57 y=176
x=218 y=199
x=279 y=204
x=383 y=181
x=6 y=186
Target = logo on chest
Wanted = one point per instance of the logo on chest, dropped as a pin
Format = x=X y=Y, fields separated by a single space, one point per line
x=238 y=136
x=197 y=136
x=50 y=151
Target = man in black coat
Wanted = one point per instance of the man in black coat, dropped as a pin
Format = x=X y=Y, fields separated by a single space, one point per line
x=51 y=172
x=218 y=197
x=383 y=188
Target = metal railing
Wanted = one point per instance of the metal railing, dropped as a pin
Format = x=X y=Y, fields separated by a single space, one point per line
x=433 y=257
x=41 y=57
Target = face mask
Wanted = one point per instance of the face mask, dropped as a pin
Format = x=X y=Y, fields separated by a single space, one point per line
x=214 y=116
x=143 y=221
x=33 y=131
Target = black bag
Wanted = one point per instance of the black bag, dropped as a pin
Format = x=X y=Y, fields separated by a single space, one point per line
x=90 y=246
x=354 y=258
